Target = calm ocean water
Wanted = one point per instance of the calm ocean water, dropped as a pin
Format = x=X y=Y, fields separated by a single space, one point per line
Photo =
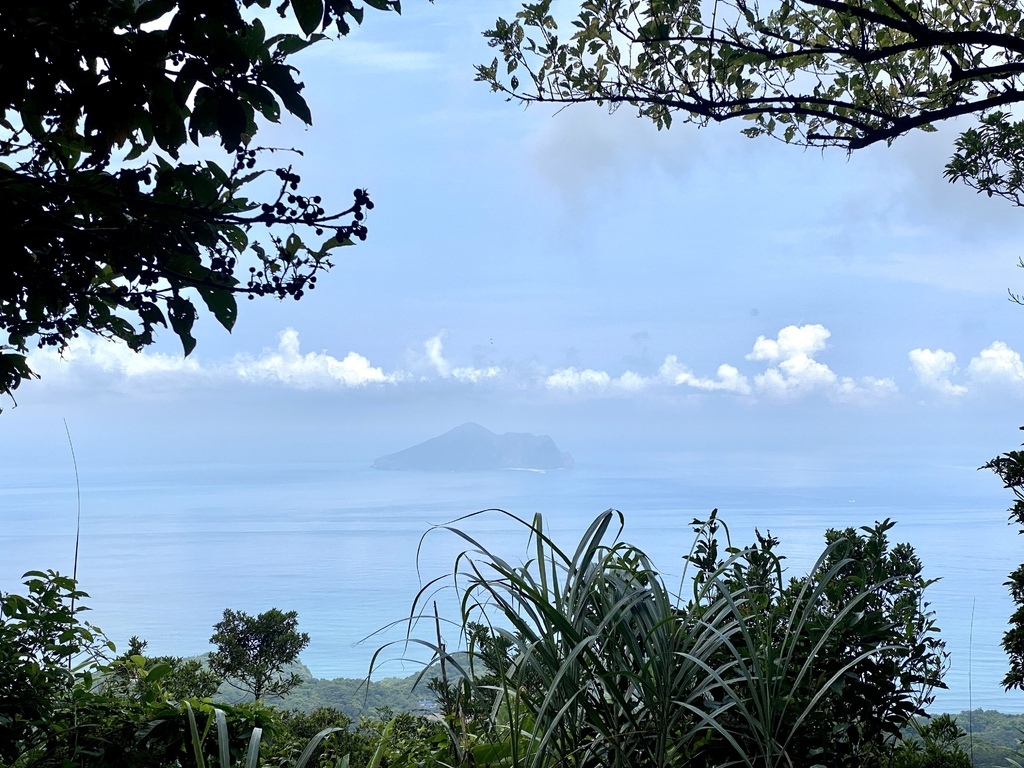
x=164 y=551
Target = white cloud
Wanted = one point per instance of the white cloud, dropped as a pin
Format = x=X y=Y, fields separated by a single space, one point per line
x=995 y=367
x=313 y=370
x=792 y=371
x=632 y=382
x=731 y=380
x=865 y=390
x=729 y=377
x=588 y=380
x=109 y=357
x=434 y=347
x=796 y=371
x=997 y=364
x=792 y=341
x=799 y=373
x=933 y=369
x=573 y=380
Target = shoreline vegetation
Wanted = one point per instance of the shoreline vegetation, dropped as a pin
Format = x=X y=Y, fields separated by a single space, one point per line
x=996 y=735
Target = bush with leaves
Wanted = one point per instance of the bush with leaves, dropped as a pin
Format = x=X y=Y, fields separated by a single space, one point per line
x=857 y=621
x=406 y=739
x=133 y=675
x=295 y=730
x=1010 y=468
x=939 y=744
x=65 y=699
x=44 y=647
x=608 y=667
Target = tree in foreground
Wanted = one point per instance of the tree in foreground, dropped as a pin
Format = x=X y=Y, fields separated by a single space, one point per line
x=108 y=229
x=253 y=651
x=41 y=640
x=822 y=73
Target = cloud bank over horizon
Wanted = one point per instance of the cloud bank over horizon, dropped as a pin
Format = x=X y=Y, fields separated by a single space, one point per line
x=783 y=368
x=997 y=368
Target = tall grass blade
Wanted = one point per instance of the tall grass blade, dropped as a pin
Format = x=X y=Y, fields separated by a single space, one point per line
x=378 y=753
x=252 y=755
x=314 y=742
x=223 y=739
x=197 y=744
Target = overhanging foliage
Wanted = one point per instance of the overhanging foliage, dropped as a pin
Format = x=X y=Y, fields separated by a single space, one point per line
x=108 y=229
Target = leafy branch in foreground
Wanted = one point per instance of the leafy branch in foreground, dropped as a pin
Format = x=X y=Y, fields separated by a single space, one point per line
x=109 y=230
x=1010 y=469
x=846 y=73
x=823 y=73
x=42 y=642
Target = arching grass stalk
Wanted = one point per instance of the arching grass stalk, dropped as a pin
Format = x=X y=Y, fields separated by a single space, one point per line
x=605 y=669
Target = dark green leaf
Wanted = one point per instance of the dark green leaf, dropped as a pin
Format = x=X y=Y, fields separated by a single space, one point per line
x=278 y=77
x=289 y=44
x=309 y=14
x=152 y=10
x=221 y=302
x=182 y=315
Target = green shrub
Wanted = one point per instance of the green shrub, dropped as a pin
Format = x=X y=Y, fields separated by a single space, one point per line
x=605 y=666
x=44 y=648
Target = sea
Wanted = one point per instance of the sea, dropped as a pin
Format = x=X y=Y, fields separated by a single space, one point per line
x=358 y=553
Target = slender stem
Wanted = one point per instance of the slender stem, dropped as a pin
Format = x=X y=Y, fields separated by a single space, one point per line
x=970 y=680
x=78 y=522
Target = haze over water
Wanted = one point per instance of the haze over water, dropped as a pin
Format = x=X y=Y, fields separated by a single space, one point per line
x=165 y=549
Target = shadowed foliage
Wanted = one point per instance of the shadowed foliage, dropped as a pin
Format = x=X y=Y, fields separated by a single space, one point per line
x=110 y=229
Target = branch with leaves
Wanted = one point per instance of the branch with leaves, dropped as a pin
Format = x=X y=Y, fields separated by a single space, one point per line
x=816 y=72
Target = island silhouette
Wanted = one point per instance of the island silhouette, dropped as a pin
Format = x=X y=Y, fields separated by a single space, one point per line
x=471 y=447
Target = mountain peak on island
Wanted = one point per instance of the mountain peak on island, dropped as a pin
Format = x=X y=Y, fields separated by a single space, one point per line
x=471 y=447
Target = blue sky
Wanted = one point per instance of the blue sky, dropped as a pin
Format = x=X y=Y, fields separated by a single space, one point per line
x=580 y=274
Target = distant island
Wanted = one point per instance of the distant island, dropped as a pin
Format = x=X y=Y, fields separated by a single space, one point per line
x=472 y=447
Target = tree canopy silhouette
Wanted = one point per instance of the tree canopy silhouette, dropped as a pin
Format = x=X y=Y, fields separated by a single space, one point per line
x=108 y=228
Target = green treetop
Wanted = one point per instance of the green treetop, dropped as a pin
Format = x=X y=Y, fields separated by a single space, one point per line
x=252 y=651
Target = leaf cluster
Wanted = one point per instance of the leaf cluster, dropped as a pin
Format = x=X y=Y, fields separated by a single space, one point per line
x=42 y=642
x=823 y=73
x=1010 y=469
x=855 y=634
x=134 y=675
